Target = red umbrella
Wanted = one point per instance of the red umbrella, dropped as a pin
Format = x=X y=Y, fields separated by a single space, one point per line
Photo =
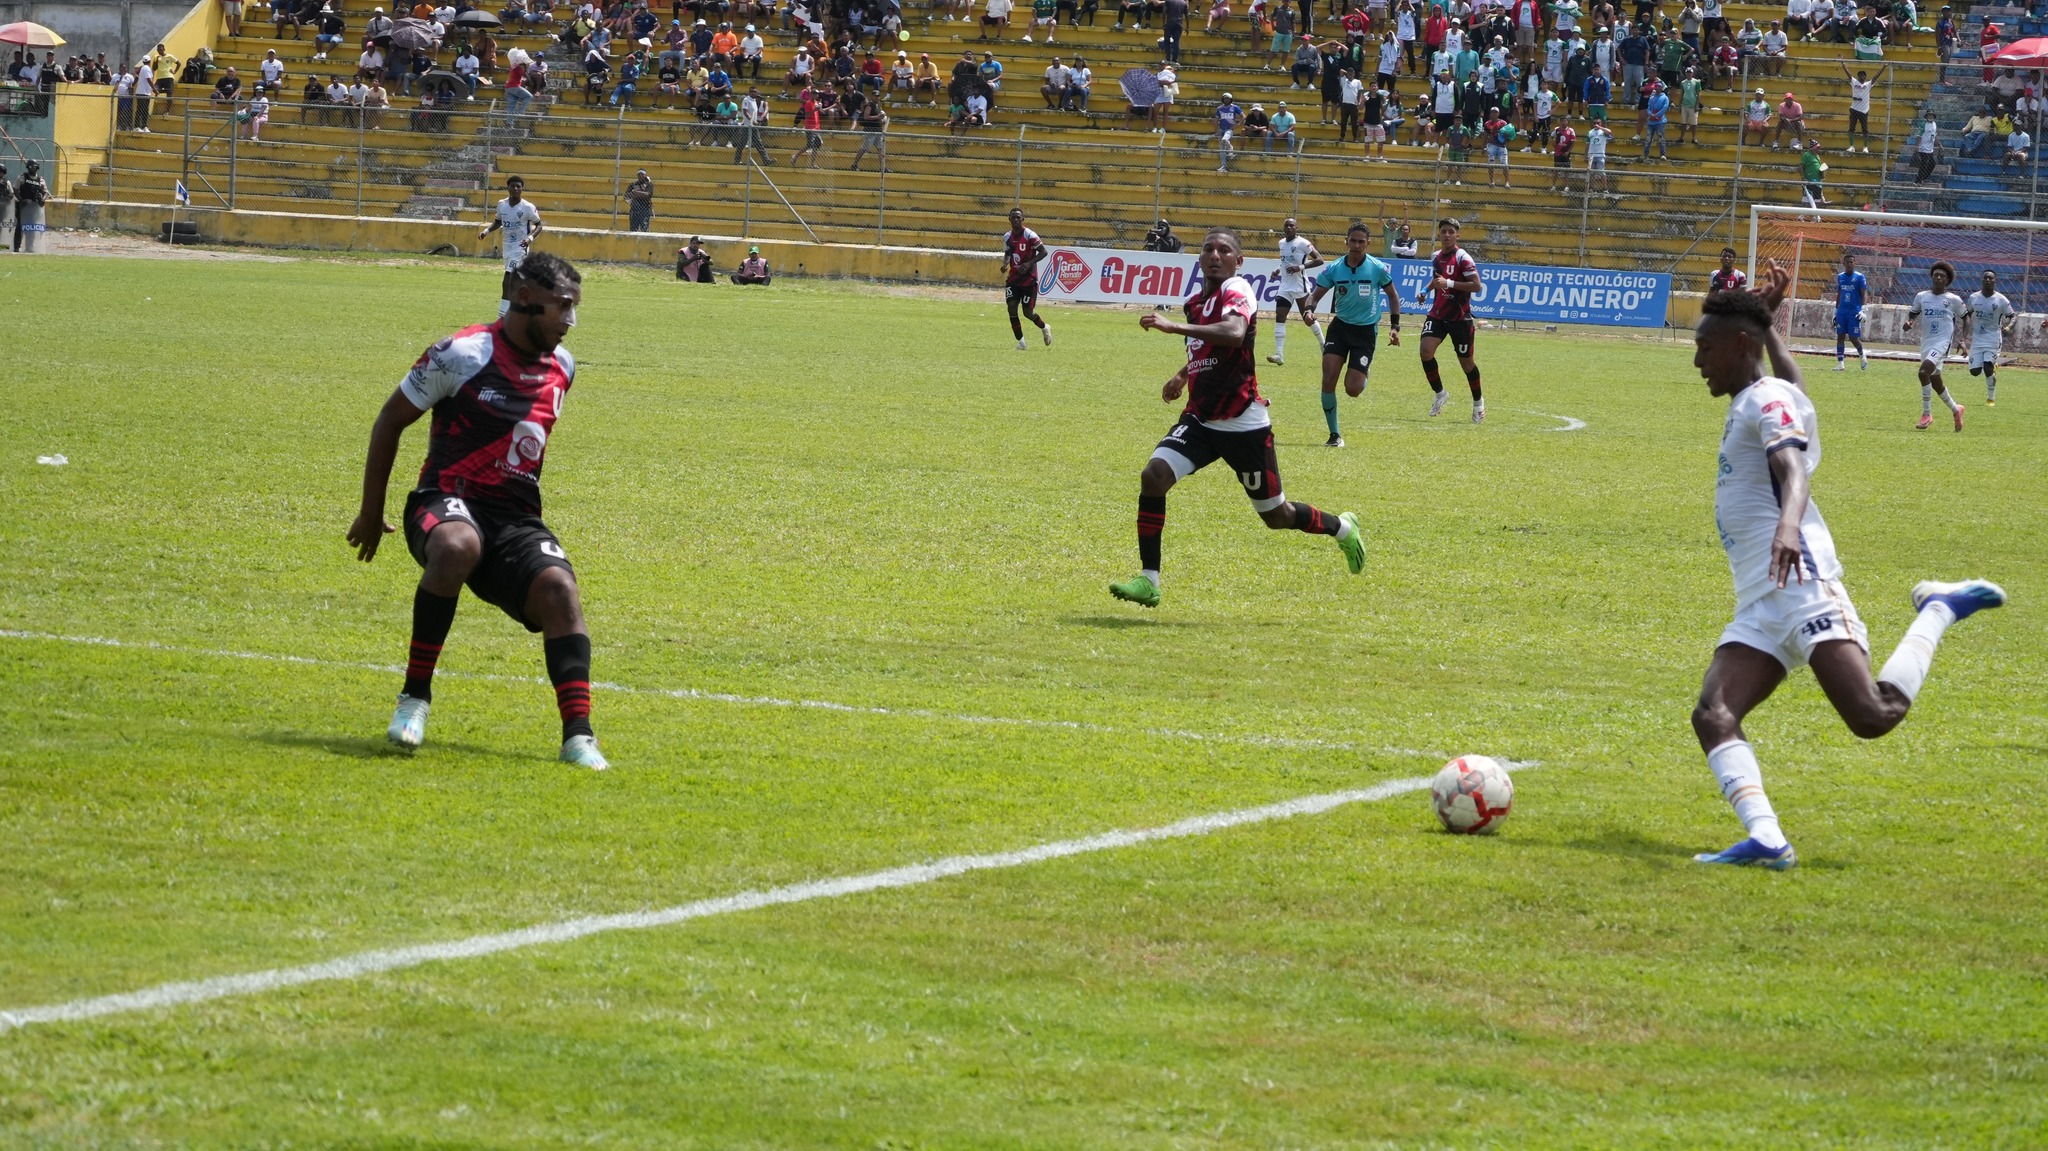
x=30 y=35
x=2028 y=53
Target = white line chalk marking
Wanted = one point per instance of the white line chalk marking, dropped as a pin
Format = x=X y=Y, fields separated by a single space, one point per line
x=372 y=962
x=691 y=693
x=1570 y=424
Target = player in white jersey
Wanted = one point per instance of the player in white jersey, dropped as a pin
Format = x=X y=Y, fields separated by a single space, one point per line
x=1991 y=320
x=1297 y=255
x=1938 y=310
x=1790 y=607
x=520 y=221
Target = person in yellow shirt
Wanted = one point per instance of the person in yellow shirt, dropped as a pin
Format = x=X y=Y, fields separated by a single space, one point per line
x=926 y=81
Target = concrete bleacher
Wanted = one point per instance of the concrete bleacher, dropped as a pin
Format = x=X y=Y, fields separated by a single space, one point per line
x=1085 y=179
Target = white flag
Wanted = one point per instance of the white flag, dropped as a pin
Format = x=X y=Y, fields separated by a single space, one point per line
x=184 y=197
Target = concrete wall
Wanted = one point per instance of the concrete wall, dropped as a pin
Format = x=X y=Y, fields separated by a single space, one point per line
x=124 y=29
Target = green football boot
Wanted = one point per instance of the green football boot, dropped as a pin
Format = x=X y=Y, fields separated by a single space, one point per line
x=1350 y=538
x=1139 y=589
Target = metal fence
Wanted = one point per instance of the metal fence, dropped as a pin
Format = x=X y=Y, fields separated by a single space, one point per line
x=931 y=187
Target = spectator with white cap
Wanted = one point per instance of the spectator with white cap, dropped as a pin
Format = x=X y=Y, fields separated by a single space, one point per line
x=1229 y=117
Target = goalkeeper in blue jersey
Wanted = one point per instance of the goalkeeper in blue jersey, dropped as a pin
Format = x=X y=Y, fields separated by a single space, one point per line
x=1850 y=289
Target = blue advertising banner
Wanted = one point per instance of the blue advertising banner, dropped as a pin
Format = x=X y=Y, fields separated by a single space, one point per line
x=1507 y=291
x=1556 y=295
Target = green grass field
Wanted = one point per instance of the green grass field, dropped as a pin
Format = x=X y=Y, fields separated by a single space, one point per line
x=850 y=494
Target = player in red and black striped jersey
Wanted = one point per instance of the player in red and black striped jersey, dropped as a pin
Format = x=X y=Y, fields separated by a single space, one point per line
x=1225 y=419
x=1727 y=277
x=495 y=391
x=1022 y=253
x=1454 y=277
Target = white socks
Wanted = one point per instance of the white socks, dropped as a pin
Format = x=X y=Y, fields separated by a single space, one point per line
x=1742 y=783
x=504 y=306
x=1279 y=339
x=1316 y=330
x=1990 y=387
x=1149 y=574
x=1907 y=668
x=1927 y=394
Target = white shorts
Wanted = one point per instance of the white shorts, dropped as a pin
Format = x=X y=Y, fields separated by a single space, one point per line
x=1981 y=358
x=1596 y=163
x=513 y=256
x=1789 y=622
x=1296 y=297
x=1934 y=351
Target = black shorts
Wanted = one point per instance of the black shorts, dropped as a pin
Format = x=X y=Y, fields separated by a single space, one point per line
x=1249 y=454
x=1355 y=342
x=1444 y=120
x=1024 y=295
x=1458 y=332
x=517 y=549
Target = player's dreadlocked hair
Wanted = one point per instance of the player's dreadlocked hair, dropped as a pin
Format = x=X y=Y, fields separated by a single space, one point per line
x=549 y=271
x=1742 y=306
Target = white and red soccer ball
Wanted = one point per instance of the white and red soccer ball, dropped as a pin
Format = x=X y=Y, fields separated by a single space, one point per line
x=1473 y=795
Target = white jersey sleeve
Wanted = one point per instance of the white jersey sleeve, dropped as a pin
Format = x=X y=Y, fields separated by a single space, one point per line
x=1767 y=417
x=442 y=370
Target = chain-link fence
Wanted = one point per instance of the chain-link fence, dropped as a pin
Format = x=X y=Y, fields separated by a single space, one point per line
x=924 y=184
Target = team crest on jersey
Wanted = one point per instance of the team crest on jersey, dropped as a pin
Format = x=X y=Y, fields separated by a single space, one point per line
x=1066 y=268
x=529 y=440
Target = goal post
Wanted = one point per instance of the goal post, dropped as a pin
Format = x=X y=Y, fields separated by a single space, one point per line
x=1894 y=251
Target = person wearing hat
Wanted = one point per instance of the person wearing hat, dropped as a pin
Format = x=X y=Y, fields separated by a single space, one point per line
x=1162 y=239
x=28 y=209
x=753 y=269
x=752 y=48
x=1945 y=34
x=693 y=263
x=924 y=79
x=640 y=203
x=1792 y=118
x=1229 y=118
x=1756 y=118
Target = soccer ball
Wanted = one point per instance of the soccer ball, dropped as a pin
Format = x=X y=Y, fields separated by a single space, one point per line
x=1473 y=795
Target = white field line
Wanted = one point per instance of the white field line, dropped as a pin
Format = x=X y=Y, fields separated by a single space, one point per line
x=372 y=962
x=1570 y=424
x=691 y=693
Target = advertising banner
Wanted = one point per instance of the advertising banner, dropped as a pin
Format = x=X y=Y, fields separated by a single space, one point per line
x=1507 y=291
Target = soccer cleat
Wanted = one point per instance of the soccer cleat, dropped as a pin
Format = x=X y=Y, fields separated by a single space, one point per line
x=1990 y=403
x=1436 y=407
x=1046 y=331
x=1139 y=589
x=1352 y=540
x=1750 y=853
x=1841 y=366
x=1926 y=421
x=1335 y=441
x=1959 y=417
x=1275 y=359
x=581 y=750
x=1478 y=413
x=1021 y=345
x=1964 y=599
x=409 y=723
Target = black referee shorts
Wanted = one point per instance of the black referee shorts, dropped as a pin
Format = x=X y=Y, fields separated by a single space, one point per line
x=1355 y=342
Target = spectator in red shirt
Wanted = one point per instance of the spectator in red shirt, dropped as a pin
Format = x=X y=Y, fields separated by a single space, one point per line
x=871 y=75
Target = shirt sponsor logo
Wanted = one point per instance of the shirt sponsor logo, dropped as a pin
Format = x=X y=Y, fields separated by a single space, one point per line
x=529 y=440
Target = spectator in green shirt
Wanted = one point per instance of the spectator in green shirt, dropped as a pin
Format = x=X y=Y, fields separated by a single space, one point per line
x=1689 y=106
x=1810 y=169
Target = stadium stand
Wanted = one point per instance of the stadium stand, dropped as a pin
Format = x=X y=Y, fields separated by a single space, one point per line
x=1085 y=178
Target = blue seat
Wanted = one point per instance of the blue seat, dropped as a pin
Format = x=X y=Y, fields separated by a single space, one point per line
x=1975 y=184
x=1986 y=206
